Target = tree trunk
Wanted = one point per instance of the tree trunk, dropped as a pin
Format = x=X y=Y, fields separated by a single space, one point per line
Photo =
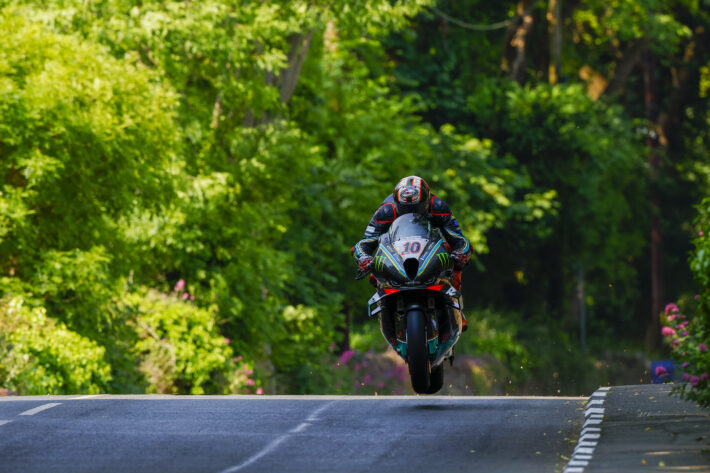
x=289 y=76
x=518 y=43
x=632 y=56
x=653 y=334
x=554 y=19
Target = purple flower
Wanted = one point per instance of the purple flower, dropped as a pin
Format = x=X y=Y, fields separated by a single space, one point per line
x=180 y=285
x=685 y=364
x=659 y=370
x=684 y=334
x=704 y=376
x=694 y=380
x=686 y=376
x=346 y=356
x=702 y=347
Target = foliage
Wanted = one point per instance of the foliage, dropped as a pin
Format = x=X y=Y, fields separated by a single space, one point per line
x=688 y=336
x=243 y=146
x=41 y=356
x=179 y=347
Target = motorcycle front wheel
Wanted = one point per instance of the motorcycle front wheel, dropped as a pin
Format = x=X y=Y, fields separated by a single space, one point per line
x=417 y=351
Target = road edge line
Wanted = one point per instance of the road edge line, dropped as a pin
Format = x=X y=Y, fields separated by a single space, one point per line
x=590 y=434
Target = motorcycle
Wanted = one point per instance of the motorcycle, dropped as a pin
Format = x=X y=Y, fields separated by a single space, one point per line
x=419 y=309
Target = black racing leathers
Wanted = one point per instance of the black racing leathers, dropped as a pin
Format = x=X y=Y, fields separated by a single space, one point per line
x=439 y=215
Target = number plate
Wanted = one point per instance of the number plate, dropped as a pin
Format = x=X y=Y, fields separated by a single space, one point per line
x=410 y=247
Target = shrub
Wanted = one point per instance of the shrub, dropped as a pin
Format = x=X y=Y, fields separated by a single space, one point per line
x=41 y=356
x=180 y=348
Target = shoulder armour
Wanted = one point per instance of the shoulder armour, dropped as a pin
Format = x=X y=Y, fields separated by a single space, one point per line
x=386 y=213
x=439 y=207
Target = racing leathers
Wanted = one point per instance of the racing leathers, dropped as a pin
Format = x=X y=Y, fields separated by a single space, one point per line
x=439 y=215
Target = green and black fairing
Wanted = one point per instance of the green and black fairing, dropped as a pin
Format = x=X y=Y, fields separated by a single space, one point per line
x=413 y=271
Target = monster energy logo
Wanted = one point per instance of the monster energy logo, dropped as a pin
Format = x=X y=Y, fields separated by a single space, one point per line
x=379 y=264
x=444 y=259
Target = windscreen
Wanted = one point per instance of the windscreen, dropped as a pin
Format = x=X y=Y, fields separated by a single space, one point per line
x=408 y=226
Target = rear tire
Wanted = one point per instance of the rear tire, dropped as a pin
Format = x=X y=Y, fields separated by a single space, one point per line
x=417 y=351
x=436 y=379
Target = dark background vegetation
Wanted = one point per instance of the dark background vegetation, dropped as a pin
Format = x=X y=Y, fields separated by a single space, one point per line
x=181 y=182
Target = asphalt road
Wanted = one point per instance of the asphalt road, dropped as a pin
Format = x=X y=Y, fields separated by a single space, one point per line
x=223 y=434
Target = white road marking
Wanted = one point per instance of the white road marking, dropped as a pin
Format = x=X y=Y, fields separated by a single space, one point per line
x=591 y=431
x=41 y=408
x=296 y=430
x=272 y=446
x=3 y=422
x=88 y=396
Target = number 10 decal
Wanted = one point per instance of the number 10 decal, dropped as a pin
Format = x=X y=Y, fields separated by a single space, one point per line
x=411 y=247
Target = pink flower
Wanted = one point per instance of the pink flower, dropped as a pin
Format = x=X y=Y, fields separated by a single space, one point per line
x=702 y=347
x=366 y=380
x=346 y=356
x=672 y=317
x=686 y=376
x=226 y=341
x=671 y=308
x=660 y=370
x=697 y=296
x=685 y=364
x=684 y=334
x=186 y=296
x=357 y=366
x=667 y=331
x=701 y=233
x=250 y=382
x=704 y=376
x=192 y=298
x=694 y=380
x=259 y=391
x=180 y=285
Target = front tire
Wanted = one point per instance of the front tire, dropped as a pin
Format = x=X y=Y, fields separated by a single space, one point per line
x=418 y=352
x=436 y=379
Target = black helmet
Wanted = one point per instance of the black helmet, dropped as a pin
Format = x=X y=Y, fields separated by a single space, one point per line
x=411 y=195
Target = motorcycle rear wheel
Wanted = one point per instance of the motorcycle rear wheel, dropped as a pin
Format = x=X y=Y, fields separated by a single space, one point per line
x=417 y=351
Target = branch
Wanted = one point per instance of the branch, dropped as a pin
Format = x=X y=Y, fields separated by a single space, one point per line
x=491 y=27
x=629 y=60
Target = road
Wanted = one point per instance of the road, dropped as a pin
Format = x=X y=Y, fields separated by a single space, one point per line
x=226 y=434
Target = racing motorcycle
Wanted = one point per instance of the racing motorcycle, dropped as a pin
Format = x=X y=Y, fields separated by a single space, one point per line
x=420 y=311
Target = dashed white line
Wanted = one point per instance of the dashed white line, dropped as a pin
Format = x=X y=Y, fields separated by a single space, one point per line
x=41 y=408
x=275 y=443
x=591 y=431
x=3 y=422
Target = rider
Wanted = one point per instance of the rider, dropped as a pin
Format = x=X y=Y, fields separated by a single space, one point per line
x=411 y=195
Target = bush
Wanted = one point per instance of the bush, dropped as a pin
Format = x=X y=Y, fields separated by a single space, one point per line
x=180 y=348
x=688 y=335
x=41 y=356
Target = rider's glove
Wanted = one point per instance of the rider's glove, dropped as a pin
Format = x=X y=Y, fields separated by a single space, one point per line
x=364 y=263
x=460 y=260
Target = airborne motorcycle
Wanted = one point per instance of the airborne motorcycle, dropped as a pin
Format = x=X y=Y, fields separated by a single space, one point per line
x=419 y=309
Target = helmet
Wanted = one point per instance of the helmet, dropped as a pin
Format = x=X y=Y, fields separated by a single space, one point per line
x=411 y=195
